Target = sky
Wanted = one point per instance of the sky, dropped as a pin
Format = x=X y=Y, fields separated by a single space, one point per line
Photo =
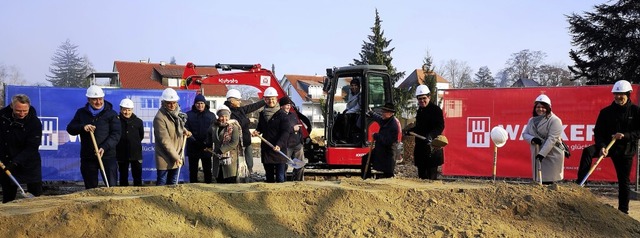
x=298 y=37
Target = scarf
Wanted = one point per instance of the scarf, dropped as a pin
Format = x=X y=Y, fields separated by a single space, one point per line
x=226 y=136
x=269 y=111
x=176 y=118
x=94 y=112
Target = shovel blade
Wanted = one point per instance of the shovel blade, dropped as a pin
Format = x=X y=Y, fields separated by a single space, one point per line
x=296 y=163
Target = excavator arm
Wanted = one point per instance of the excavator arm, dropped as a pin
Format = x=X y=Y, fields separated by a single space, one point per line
x=245 y=74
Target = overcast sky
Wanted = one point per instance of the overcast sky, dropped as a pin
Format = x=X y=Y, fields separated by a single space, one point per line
x=299 y=37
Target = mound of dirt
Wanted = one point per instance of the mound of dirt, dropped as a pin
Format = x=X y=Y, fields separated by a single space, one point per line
x=346 y=208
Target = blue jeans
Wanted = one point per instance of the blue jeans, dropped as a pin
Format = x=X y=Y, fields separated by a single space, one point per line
x=275 y=172
x=172 y=174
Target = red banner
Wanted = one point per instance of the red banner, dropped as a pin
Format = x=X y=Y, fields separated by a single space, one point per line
x=471 y=113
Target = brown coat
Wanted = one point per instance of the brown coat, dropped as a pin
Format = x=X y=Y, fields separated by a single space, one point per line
x=168 y=144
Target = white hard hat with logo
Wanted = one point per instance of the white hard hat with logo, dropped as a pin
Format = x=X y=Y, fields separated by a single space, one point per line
x=422 y=90
x=222 y=107
x=270 y=92
x=94 y=92
x=622 y=86
x=126 y=103
x=233 y=93
x=170 y=95
x=499 y=136
x=543 y=98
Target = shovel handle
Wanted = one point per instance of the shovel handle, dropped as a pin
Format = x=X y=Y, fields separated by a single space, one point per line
x=13 y=179
x=289 y=160
x=417 y=136
x=95 y=147
x=495 y=162
x=593 y=168
x=538 y=165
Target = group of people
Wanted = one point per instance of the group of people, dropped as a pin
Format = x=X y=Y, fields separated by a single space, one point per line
x=618 y=123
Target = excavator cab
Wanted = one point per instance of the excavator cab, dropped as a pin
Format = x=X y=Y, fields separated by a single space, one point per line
x=348 y=131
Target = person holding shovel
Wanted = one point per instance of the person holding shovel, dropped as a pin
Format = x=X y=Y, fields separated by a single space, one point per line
x=429 y=124
x=97 y=118
x=19 y=142
x=382 y=155
x=129 y=148
x=294 y=144
x=200 y=119
x=170 y=133
x=544 y=135
x=274 y=126
x=224 y=137
x=619 y=121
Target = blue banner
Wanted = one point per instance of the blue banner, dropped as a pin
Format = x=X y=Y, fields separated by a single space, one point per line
x=56 y=107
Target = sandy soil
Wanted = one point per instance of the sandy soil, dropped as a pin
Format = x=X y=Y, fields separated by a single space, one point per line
x=347 y=208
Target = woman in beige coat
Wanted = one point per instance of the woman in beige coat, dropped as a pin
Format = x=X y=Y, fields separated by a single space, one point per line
x=544 y=134
x=224 y=137
x=170 y=134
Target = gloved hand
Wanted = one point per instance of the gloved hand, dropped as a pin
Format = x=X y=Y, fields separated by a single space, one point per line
x=225 y=161
x=539 y=157
x=536 y=141
x=376 y=136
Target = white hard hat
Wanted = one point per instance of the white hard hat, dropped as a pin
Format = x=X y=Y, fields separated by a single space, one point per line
x=222 y=107
x=499 y=136
x=233 y=93
x=422 y=90
x=126 y=103
x=622 y=86
x=543 y=98
x=170 y=95
x=95 y=92
x=270 y=92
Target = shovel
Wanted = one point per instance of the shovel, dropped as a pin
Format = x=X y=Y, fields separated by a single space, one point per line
x=366 y=165
x=95 y=147
x=495 y=162
x=538 y=165
x=184 y=144
x=593 y=168
x=24 y=194
x=295 y=163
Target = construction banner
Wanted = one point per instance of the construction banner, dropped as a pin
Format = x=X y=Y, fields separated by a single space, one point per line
x=56 y=107
x=471 y=113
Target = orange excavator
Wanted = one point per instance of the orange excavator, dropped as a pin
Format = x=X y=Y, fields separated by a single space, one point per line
x=346 y=137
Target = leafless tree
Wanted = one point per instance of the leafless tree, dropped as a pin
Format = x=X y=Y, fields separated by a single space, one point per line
x=523 y=65
x=554 y=75
x=457 y=72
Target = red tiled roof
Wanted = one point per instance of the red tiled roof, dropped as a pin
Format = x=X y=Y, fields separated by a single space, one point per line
x=417 y=77
x=214 y=90
x=149 y=75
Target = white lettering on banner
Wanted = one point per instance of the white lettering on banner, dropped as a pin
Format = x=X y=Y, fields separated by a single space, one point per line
x=228 y=81
x=49 y=140
x=478 y=131
x=73 y=138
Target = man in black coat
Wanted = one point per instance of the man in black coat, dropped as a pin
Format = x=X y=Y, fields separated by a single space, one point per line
x=96 y=116
x=620 y=120
x=274 y=126
x=199 y=120
x=382 y=156
x=429 y=124
x=239 y=113
x=294 y=144
x=129 y=148
x=19 y=141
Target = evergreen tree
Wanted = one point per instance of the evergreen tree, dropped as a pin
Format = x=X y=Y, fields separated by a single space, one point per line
x=484 y=79
x=375 y=52
x=430 y=78
x=68 y=68
x=608 y=41
x=172 y=61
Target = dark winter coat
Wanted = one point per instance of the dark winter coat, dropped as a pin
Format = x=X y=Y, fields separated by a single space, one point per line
x=382 y=155
x=198 y=124
x=275 y=131
x=107 y=131
x=129 y=147
x=430 y=124
x=295 y=137
x=623 y=119
x=19 y=142
x=240 y=114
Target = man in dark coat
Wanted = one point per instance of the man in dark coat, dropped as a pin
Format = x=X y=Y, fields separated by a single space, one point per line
x=129 y=148
x=96 y=116
x=294 y=144
x=619 y=121
x=19 y=141
x=239 y=113
x=274 y=126
x=382 y=156
x=429 y=124
x=199 y=120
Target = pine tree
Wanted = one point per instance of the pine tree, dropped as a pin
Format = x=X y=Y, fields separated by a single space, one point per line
x=608 y=41
x=68 y=68
x=484 y=79
x=375 y=52
x=430 y=78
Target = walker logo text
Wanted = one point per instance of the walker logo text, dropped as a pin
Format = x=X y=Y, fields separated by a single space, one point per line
x=49 y=133
x=478 y=131
x=228 y=81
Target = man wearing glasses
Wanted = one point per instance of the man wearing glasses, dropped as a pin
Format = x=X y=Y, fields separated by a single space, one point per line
x=429 y=123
